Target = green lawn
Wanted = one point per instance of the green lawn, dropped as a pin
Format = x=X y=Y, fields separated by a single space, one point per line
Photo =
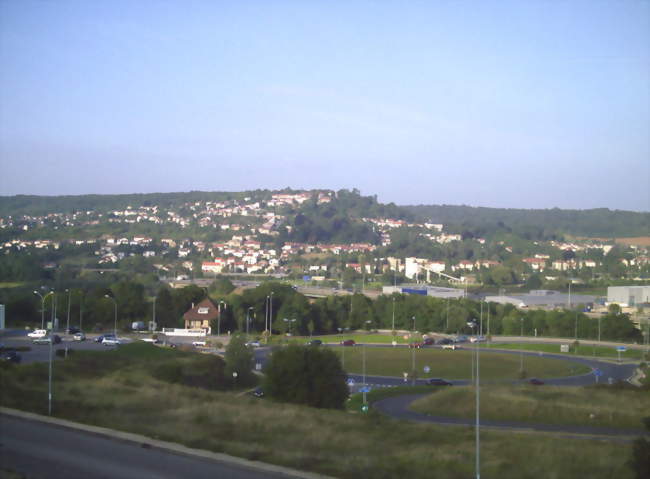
x=593 y=406
x=119 y=391
x=582 y=350
x=452 y=364
x=367 y=338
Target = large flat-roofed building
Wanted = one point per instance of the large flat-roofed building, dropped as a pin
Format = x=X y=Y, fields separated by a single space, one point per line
x=425 y=290
x=628 y=296
x=545 y=299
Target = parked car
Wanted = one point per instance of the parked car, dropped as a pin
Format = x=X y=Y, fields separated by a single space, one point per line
x=449 y=346
x=477 y=339
x=535 y=381
x=416 y=345
x=37 y=333
x=428 y=341
x=445 y=341
x=348 y=342
x=79 y=336
x=438 y=382
x=10 y=355
x=111 y=341
x=460 y=339
x=315 y=342
x=46 y=340
x=72 y=330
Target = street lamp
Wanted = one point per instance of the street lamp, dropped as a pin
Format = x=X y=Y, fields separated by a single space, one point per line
x=67 y=327
x=393 y=312
x=43 y=306
x=473 y=324
x=248 y=317
x=219 y=316
x=521 y=351
x=115 y=303
x=290 y=321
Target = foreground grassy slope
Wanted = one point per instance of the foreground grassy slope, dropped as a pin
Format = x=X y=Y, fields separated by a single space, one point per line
x=117 y=390
x=592 y=406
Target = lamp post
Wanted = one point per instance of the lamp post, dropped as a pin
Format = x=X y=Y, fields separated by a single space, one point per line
x=219 y=316
x=270 y=312
x=290 y=321
x=478 y=405
x=521 y=351
x=49 y=376
x=43 y=306
x=413 y=356
x=67 y=327
x=393 y=312
x=248 y=317
x=115 y=303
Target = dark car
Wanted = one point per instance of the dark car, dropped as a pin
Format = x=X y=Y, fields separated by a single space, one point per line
x=258 y=392
x=10 y=355
x=536 y=382
x=348 y=342
x=416 y=345
x=438 y=382
x=428 y=341
x=445 y=341
x=72 y=330
x=315 y=342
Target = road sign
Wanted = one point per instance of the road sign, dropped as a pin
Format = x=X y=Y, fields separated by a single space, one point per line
x=394 y=343
x=365 y=389
x=426 y=369
x=364 y=408
x=350 y=382
x=564 y=348
x=621 y=349
x=598 y=372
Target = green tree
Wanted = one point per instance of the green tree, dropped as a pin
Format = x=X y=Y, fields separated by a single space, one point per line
x=306 y=375
x=221 y=286
x=641 y=454
x=166 y=314
x=239 y=360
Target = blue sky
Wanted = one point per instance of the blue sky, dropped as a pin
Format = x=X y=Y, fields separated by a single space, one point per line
x=532 y=104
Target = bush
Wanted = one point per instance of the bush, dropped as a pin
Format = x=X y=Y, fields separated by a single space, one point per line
x=306 y=375
x=201 y=371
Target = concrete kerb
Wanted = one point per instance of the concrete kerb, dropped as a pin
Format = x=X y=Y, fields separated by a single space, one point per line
x=164 y=445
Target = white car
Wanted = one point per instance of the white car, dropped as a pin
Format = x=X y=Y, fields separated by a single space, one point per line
x=198 y=343
x=79 y=336
x=37 y=333
x=477 y=339
x=253 y=344
x=112 y=341
x=449 y=346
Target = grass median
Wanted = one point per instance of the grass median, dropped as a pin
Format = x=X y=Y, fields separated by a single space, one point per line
x=619 y=407
x=581 y=350
x=118 y=389
x=450 y=364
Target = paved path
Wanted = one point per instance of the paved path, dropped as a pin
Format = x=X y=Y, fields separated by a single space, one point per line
x=398 y=408
x=62 y=449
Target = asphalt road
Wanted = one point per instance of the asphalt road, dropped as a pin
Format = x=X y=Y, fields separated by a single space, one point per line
x=40 y=450
x=398 y=408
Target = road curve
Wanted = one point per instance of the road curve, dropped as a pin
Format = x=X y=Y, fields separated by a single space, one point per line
x=398 y=407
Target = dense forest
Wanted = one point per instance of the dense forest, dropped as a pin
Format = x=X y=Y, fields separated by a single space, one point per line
x=535 y=224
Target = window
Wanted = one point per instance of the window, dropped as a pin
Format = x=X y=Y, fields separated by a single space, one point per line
x=203 y=310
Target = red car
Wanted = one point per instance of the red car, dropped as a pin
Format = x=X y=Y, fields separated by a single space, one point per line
x=348 y=342
x=416 y=345
x=428 y=341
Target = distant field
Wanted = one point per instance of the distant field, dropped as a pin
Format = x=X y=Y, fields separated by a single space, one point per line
x=452 y=364
x=10 y=284
x=592 y=406
x=638 y=241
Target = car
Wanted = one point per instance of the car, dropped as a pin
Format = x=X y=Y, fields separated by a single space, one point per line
x=258 y=392
x=37 y=333
x=253 y=344
x=72 y=330
x=10 y=355
x=535 y=382
x=315 y=342
x=445 y=341
x=348 y=342
x=111 y=341
x=79 y=336
x=46 y=340
x=428 y=341
x=477 y=339
x=101 y=337
x=198 y=343
x=449 y=346
x=151 y=340
x=416 y=345
x=438 y=382
x=460 y=339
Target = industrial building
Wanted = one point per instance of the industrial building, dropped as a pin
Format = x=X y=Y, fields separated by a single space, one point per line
x=628 y=296
x=545 y=299
x=425 y=290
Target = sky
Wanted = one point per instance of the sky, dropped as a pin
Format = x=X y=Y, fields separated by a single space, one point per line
x=534 y=104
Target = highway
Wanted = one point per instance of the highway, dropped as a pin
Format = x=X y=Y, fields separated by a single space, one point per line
x=40 y=450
